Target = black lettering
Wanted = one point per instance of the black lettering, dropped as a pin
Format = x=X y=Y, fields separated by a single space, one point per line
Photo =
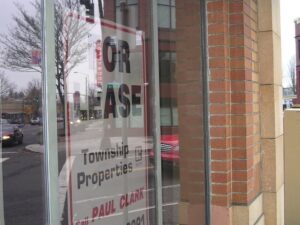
x=109 y=64
x=125 y=108
x=129 y=167
x=94 y=178
x=117 y=170
x=99 y=156
x=112 y=172
x=91 y=157
x=101 y=177
x=136 y=100
x=107 y=174
x=84 y=151
x=113 y=154
x=110 y=103
x=80 y=179
x=88 y=177
x=125 y=169
x=123 y=47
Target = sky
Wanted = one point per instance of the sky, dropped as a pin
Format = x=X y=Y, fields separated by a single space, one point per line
x=290 y=10
x=21 y=79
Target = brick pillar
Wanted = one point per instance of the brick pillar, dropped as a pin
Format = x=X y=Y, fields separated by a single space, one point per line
x=221 y=155
x=244 y=102
x=245 y=89
x=235 y=124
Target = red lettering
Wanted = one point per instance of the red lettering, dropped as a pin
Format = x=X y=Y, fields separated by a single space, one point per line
x=102 y=210
x=130 y=198
x=94 y=214
x=122 y=202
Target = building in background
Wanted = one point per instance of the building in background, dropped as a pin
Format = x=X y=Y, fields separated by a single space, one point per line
x=297 y=39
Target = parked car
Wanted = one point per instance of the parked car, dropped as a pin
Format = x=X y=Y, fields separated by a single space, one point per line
x=4 y=121
x=11 y=134
x=35 y=121
x=16 y=121
x=169 y=149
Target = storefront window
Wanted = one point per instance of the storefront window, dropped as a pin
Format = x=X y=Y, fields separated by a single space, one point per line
x=21 y=128
x=181 y=108
x=108 y=113
x=106 y=117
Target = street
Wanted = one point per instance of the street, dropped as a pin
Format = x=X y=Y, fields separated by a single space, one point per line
x=23 y=181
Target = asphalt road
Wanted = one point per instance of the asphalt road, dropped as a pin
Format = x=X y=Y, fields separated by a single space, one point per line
x=23 y=185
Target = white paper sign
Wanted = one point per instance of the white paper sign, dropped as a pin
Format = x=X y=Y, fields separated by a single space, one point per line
x=108 y=178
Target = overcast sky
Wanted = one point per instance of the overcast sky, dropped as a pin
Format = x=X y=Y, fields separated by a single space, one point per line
x=290 y=10
x=21 y=79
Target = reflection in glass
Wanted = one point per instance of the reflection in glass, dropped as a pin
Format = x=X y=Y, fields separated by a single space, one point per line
x=180 y=106
x=102 y=117
x=21 y=158
x=166 y=14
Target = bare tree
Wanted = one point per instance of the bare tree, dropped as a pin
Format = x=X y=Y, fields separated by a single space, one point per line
x=25 y=36
x=292 y=74
x=34 y=89
x=6 y=87
x=33 y=95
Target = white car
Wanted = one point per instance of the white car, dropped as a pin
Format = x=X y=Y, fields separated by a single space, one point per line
x=35 y=121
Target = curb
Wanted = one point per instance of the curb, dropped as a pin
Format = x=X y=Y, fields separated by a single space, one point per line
x=35 y=148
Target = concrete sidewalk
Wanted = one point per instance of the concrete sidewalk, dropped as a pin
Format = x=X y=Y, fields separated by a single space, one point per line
x=35 y=148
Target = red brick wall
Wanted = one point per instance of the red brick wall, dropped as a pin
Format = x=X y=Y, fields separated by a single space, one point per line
x=234 y=89
x=219 y=59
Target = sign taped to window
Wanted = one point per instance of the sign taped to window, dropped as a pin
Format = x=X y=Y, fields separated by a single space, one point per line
x=106 y=141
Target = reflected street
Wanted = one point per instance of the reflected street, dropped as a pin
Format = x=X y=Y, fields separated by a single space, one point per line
x=22 y=184
x=23 y=190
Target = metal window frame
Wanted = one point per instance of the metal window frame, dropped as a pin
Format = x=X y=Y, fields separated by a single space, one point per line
x=205 y=73
x=156 y=112
x=49 y=115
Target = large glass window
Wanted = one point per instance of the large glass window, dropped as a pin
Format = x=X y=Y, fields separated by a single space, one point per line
x=168 y=112
x=166 y=14
x=127 y=12
x=21 y=128
x=167 y=62
x=106 y=126
x=108 y=115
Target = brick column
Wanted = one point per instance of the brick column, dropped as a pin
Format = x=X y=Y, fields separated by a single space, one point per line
x=234 y=98
x=244 y=102
x=221 y=155
x=246 y=148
